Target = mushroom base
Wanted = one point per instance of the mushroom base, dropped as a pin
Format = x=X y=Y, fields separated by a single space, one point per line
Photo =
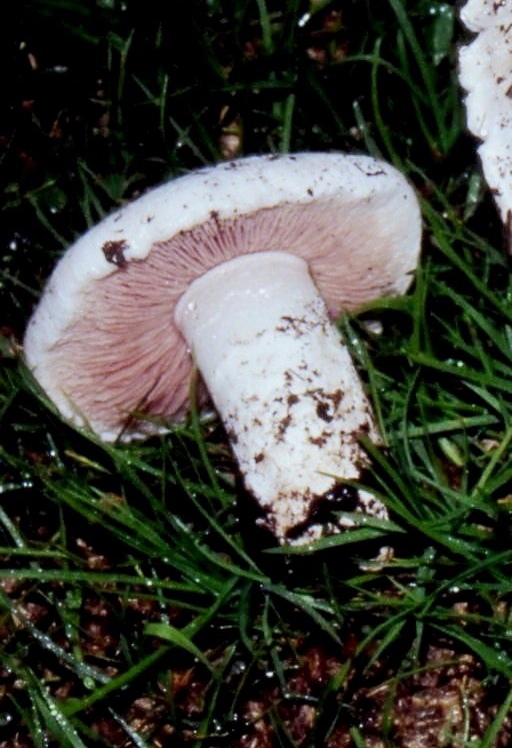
x=285 y=387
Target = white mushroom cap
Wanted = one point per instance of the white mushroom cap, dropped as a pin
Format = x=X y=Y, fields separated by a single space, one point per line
x=485 y=72
x=478 y=15
x=103 y=342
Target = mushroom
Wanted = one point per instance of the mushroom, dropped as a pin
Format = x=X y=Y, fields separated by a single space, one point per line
x=238 y=269
x=485 y=72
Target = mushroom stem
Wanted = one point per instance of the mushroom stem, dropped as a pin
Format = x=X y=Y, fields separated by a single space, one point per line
x=284 y=386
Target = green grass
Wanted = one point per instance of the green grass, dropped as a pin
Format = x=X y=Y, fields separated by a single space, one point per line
x=131 y=572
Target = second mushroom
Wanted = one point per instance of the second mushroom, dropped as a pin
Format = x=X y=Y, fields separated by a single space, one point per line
x=238 y=269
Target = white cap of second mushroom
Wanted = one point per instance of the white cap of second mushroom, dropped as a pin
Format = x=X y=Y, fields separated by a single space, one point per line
x=485 y=72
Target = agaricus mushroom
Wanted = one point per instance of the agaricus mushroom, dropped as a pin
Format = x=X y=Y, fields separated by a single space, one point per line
x=485 y=72
x=238 y=268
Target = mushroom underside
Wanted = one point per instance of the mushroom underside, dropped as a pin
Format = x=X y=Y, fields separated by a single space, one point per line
x=120 y=365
